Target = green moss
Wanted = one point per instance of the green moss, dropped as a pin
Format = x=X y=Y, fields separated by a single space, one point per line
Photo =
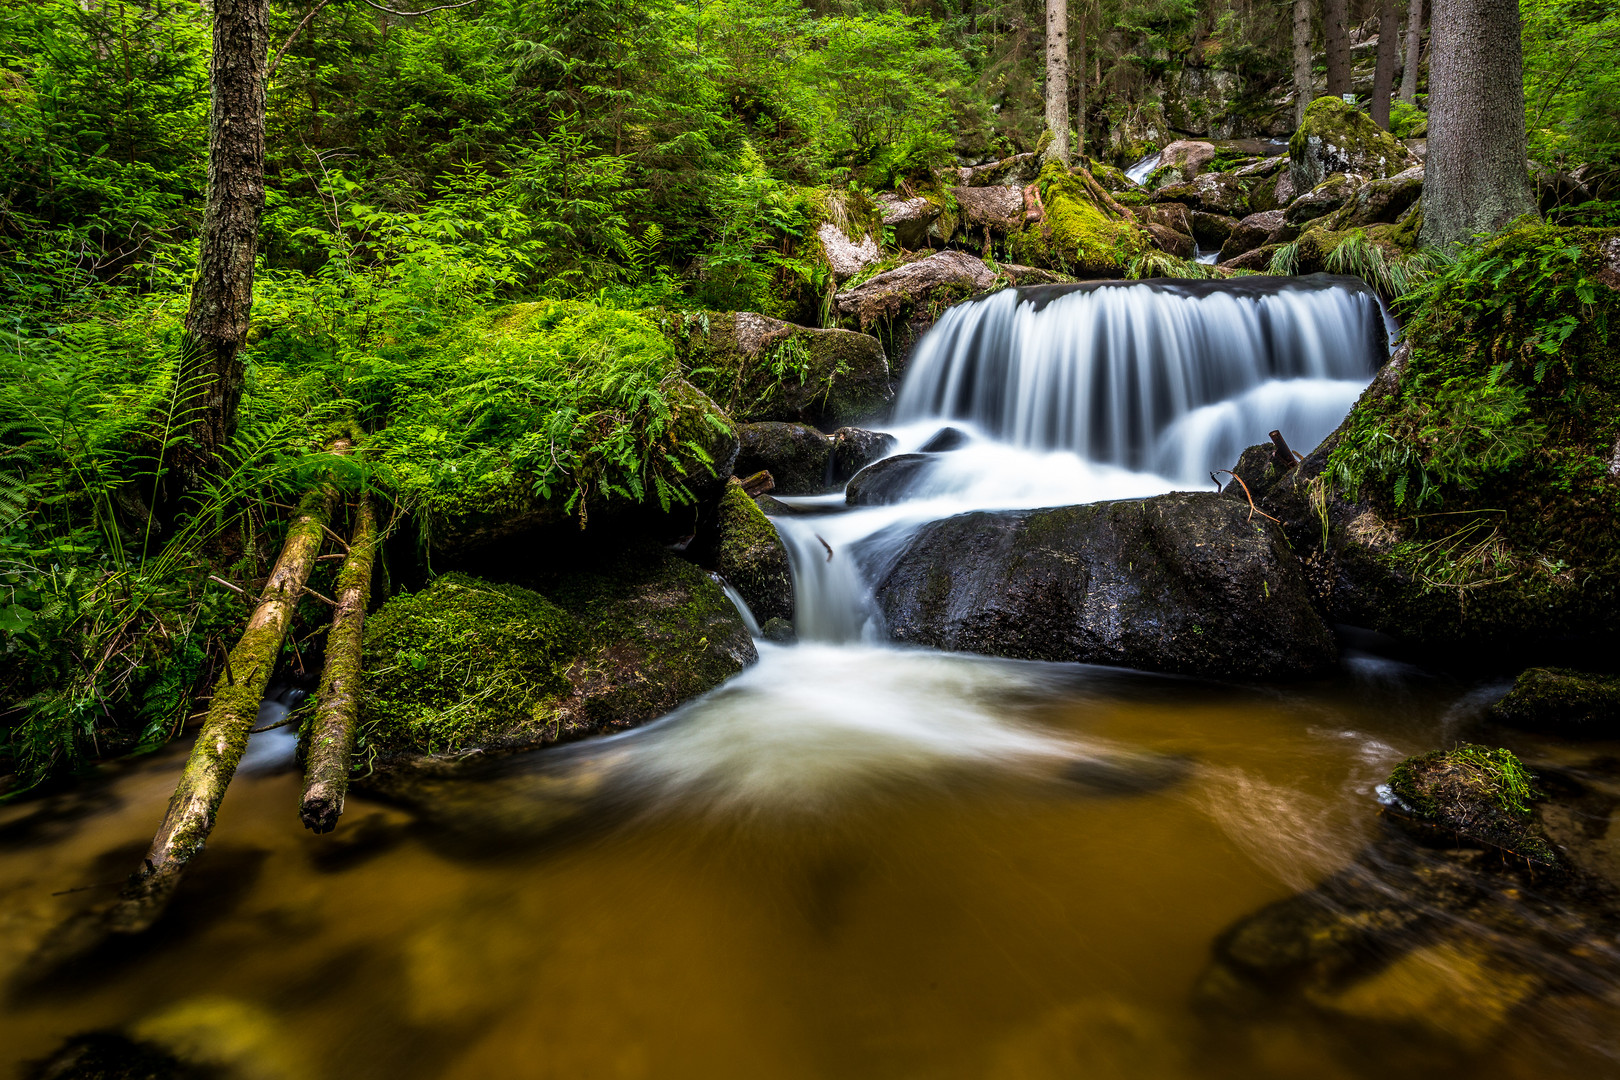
x=749 y=554
x=1337 y=123
x=1481 y=793
x=1077 y=236
x=1564 y=701
x=461 y=661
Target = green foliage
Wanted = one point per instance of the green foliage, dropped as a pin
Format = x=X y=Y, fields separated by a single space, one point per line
x=1571 y=83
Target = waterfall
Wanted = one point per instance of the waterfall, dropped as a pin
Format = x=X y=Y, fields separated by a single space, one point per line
x=1138 y=173
x=1066 y=394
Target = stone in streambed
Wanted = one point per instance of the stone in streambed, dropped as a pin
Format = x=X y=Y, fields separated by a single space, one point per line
x=796 y=455
x=1252 y=232
x=749 y=554
x=1182 y=582
x=1563 y=702
x=887 y=482
x=1475 y=793
x=853 y=449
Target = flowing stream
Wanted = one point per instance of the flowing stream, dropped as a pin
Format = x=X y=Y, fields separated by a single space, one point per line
x=852 y=860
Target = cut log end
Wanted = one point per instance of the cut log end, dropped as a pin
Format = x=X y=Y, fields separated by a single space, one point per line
x=758 y=484
x=321 y=808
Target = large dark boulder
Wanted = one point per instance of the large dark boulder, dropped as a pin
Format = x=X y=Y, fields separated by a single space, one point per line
x=796 y=456
x=1252 y=232
x=853 y=449
x=1213 y=193
x=888 y=481
x=1211 y=230
x=1182 y=582
x=749 y=554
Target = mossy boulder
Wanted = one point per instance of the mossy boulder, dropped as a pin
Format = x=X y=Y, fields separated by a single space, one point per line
x=1211 y=230
x=1188 y=156
x=750 y=555
x=1212 y=193
x=1185 y=582
x=1476 y=792
x=1564 y=702
x=1274 y=192
x=1252 y=232
x=1080 y=234
x=469 y=664
x=909 y=218
x=1337 y=137
x=757 y=368
x=1379 y=202
x=993 y=211
x=1110 y=177
x=796 y=455
x=1322 y=200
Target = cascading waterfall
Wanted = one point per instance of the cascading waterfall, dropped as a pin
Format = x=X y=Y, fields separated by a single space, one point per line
x=1079 y=393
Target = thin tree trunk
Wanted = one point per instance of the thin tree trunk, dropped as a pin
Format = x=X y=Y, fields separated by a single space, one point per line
x=331 y=737
x=1057 y=79
x=1336 y=46
x=1389 y=33
x=211 y=373
x=1414 y=49
x=1475 y=177
x=230 y=719
x=1079 y=70
x=1304 y=83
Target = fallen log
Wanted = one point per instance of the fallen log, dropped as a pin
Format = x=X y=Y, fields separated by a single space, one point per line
x=331 y=732
x=758 y=484
x=231 y=716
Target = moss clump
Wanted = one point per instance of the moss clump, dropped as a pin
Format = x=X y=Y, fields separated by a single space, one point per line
x=750 y=555
x=1077 y=236
x=1476 y=792
x=1335 y=136
x=1563 y=701
x=462 y=661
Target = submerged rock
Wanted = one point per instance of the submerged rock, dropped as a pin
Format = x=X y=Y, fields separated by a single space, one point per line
x=1180 y=582
x=796 y=455
x=610 y=643
x=1562 y=701
x=749 y=554
x=1476 y=793
x=759 y=369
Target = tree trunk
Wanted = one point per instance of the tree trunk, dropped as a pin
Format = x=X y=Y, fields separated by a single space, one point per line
x=1057 y=79
x=211 y=374
x=1389 y=34
x=1475 y=178
x=331 y=733
x=1336 y=46
x=1079 y=70
x=1414 y=49
x=1304 y=83
x=231 y=715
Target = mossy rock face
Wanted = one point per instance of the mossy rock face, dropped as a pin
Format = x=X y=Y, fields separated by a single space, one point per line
x=470 y=664
x=1111 y=177
x=796 y=455
x=1211 y=193
x=1564 y=702
x=1322 y=200
x=1184 y=582
x=1476 y=792
x=1077 y=236
x=1336 y=137
x=759 y=368
x=750 y=555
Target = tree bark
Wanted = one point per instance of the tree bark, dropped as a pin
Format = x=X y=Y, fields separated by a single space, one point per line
x=1414 y=49
x=211 y=373
x=1304 y=83
x=1078 y=69
x=1057 y=79
x=331 y=734
x=1389 y=34
x=1336 y=46
x=230 y=719
x=1475 y=177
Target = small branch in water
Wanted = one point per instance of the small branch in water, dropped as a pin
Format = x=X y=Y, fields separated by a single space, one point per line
x=1253 y=509
x=827 y=546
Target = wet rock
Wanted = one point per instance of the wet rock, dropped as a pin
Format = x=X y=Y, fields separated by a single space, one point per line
x=854 y=449
x=1257 y=467
x=1181 y=245
x=887 y=482
x=750 y=556
x=999 y=209
x=1336 y=137
x=1323 y=199
x=759 y=368
x=1213 y=193
x=1257 y=259
x=945 y=439
x=779 y=631
x=1564 y=702
x=608 y=642
x=107 y=1055
x=909 y=218
x=1474 y=792
x=1181 y=582
x=1252 y=232
x=846 y=257
x=1187 y=156
x=904 y=302
x=1171 y=215
x=1211 y=230
x=796 y=455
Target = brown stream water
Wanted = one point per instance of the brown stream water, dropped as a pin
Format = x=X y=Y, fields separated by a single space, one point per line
x=852 y=862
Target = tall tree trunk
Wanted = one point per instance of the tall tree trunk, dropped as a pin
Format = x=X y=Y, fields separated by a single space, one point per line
x=1057 y=79
x=211 y=373
x=1336 y=45
x=1304 y=84
x=1389 y=34
x=1475 y=178
x=1414 y=49
x=1079 y=70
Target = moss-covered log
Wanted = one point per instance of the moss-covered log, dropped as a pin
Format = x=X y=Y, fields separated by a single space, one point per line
x=230 y=719
x=331 y=732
